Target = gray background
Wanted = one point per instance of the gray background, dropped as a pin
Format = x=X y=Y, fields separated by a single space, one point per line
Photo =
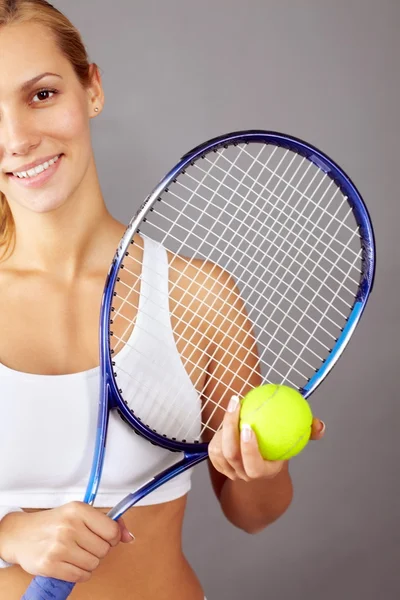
x=176 y=73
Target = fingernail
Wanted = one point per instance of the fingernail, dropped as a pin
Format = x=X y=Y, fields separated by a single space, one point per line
x=233 y=403
x=246 y=432
x=323 y=427
x=132 y=536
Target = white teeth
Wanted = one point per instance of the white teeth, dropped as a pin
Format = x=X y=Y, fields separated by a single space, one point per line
x=36 y=170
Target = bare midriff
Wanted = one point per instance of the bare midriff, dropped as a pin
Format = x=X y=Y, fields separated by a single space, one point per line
x=153 y=566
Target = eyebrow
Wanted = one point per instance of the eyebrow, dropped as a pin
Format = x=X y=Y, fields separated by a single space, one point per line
x=34 y=80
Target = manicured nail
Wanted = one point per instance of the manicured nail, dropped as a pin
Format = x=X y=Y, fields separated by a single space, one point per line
x=233 y=404
x=246 y=432
x=132 y=536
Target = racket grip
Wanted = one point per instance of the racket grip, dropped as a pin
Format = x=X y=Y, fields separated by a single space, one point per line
x=46 y=588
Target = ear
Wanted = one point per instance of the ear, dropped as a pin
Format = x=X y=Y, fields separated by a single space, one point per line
x=95 y=91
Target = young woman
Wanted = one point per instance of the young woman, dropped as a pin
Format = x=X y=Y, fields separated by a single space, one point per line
x=57 y=241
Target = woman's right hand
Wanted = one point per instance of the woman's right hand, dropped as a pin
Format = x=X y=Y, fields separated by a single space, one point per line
x=67 y=542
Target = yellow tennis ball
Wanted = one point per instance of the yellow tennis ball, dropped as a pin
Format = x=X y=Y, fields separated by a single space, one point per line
x=281 y=419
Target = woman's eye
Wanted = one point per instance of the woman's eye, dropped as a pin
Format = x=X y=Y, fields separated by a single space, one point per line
x=43 y=95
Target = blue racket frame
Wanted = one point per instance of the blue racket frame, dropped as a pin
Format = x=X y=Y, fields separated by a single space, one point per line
x=194 y=453
x=52 y=589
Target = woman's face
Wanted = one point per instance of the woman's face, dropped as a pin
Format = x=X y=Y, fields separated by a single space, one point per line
x=44 y=117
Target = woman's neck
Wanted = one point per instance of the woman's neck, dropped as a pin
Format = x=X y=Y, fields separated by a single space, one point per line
x=66 y=242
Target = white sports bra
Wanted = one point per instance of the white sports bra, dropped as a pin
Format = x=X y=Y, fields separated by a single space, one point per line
x=48 y=423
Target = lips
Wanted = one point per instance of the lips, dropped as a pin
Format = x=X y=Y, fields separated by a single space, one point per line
x=33 y=165
x=40 y=179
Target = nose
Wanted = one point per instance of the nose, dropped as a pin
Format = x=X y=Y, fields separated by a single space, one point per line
x=17 y=135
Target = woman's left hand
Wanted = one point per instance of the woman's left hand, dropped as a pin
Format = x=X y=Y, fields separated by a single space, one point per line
x=236 y=454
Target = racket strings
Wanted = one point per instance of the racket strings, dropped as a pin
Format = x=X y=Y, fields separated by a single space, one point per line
x=278 y=197
x=316 y=293
x=295 y=189
x=285 y=254
x=358 y=255
x=291 y=367
x=232 y=164
x=187 y=361
x=211 y=377
x=207 y=400
x=292 y=208
x=347 y=274
x=283 y=225
x=253 y=308
x=310 y=338
x=353 y=280
x=214 y=234
x=133 y=323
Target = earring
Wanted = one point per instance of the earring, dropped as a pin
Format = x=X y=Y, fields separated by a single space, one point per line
x=96 y=109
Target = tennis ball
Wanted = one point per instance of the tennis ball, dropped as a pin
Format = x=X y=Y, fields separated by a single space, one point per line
x=281 y=419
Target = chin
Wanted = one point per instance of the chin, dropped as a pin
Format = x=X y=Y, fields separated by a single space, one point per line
x=45 y=205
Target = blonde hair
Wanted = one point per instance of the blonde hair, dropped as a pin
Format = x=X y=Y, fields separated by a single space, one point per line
x=69 y=42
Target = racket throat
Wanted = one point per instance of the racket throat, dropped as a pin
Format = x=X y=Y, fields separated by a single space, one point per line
x=187 y=462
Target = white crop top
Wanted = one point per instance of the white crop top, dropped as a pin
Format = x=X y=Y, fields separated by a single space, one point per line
x=48 y=423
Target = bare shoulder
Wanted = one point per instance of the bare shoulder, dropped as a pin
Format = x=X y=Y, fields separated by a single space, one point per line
x=203 y=280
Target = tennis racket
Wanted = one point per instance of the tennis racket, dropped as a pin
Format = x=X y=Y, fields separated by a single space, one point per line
x=263 y=261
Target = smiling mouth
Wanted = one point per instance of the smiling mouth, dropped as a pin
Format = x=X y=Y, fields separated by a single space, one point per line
x=35 y=171
x=37 y=176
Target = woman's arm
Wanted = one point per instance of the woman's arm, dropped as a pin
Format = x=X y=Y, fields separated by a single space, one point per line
x=253 y=505
x=253 y=492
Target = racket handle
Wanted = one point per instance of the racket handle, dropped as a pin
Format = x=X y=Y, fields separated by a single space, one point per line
x=46 y=588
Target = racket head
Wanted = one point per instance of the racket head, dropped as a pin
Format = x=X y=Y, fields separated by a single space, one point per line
x=322 y=165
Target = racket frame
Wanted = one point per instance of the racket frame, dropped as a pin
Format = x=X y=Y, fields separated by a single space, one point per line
x=110 y=398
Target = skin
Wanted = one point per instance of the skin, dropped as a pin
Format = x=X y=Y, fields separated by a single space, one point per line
x=65 y=240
